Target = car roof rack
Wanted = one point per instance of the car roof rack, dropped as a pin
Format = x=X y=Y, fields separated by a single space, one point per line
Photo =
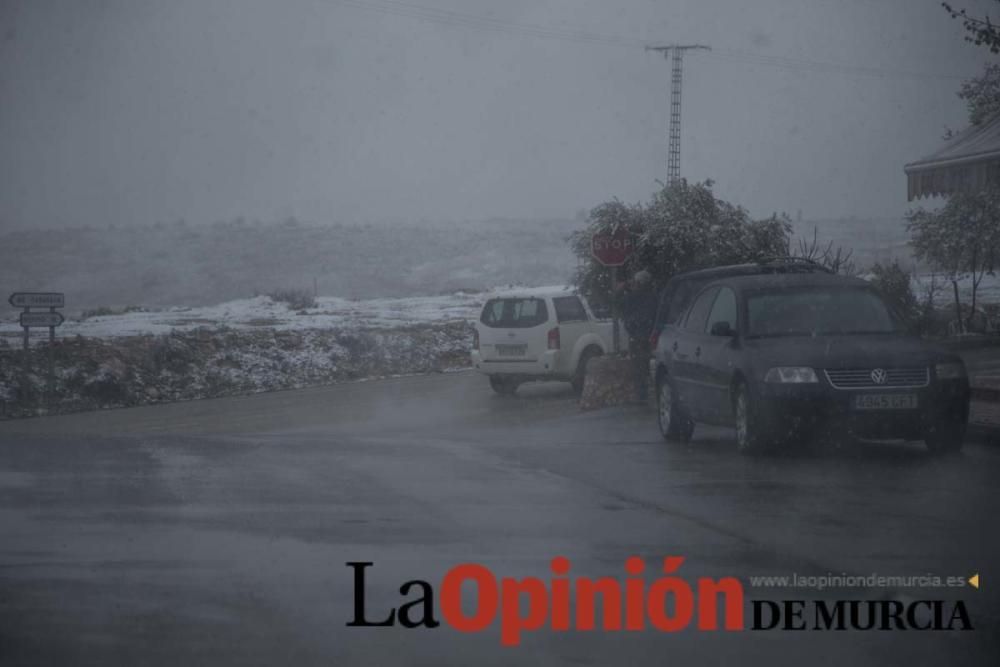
x=763 y=266
x=793 y=264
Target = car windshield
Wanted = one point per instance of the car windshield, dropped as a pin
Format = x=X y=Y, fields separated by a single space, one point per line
x=816 y=311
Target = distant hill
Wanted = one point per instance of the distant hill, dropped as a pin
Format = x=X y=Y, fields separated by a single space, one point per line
x=183 y=264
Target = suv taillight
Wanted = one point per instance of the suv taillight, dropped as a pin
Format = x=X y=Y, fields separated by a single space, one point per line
x=475 y=339
x=554 y=338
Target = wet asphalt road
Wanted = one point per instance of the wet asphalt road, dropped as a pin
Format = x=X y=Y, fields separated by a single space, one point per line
x=217 y=532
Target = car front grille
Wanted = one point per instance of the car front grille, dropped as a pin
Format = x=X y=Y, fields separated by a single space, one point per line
x=862 y=378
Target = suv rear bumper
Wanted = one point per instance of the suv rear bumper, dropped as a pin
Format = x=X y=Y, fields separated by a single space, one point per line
x=544 y=365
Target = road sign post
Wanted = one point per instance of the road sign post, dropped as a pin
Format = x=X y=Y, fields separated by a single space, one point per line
x=611 y=249
x=49 y=319
x=51 y=384
x=25 y=368
x=616 y=344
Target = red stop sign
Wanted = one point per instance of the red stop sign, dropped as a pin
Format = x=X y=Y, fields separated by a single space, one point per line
x=612 y=249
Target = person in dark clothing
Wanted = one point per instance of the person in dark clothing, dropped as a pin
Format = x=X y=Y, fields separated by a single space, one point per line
x=639 y=314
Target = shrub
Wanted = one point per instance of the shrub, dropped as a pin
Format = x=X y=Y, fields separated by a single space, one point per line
x=104 y=311
x=893 y=282
x=296 y=299
x=684 y=227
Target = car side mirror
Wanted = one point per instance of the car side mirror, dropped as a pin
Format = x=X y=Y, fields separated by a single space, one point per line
x=722 y=329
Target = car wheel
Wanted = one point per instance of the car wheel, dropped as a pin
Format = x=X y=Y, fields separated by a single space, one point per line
x=750 y=436
x=674 y=422
x=945 y=436
x=503 y=386
x=581 y=370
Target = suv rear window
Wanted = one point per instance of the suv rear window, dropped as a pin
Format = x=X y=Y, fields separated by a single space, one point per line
x=569 y=309
x=514 y=313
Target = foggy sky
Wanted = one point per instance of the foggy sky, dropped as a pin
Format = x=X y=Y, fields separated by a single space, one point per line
x=134 y=111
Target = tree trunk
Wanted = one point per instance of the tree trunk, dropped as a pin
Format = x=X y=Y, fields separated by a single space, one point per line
x=972 y=311
x=958 y=307
x=975 y=287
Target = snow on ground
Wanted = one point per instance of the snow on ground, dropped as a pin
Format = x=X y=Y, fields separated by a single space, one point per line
x=263 y=313
x=238 y=347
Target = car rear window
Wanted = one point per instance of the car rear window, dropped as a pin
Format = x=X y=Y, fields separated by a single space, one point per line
x=569 y=309
x=514 y=313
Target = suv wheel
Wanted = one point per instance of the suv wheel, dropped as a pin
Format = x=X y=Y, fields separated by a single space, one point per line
x=503 y=386
x=674 y=422
x=945 y=436
x=750 y=436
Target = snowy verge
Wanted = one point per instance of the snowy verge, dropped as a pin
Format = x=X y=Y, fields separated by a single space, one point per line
x=240 y=347
x=94 y=373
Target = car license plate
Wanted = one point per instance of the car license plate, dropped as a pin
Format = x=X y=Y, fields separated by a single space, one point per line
x=885 y=401
x=511 y=350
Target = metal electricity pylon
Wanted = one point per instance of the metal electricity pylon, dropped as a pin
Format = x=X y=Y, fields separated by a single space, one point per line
x=676 y=52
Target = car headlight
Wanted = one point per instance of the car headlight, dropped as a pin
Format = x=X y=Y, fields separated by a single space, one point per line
x=952 y=370
x=791 y=374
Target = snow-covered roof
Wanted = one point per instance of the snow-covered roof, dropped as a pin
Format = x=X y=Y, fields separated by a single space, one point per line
x=967 y=162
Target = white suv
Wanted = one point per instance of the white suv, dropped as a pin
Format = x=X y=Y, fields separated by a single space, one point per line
x=538 y=335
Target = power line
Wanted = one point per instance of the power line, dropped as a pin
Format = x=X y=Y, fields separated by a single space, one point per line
x=485 y=23
x=482 y=23
x=817 y=66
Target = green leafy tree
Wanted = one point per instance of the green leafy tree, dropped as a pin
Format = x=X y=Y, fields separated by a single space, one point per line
x=962 y=239
x=981 y=31
x=684 y=227
x=982 y=94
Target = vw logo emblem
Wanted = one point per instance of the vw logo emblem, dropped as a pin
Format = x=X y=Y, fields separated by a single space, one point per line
x=879 y=376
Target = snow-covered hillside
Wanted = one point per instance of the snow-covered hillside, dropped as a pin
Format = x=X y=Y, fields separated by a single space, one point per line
x=261 y=313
